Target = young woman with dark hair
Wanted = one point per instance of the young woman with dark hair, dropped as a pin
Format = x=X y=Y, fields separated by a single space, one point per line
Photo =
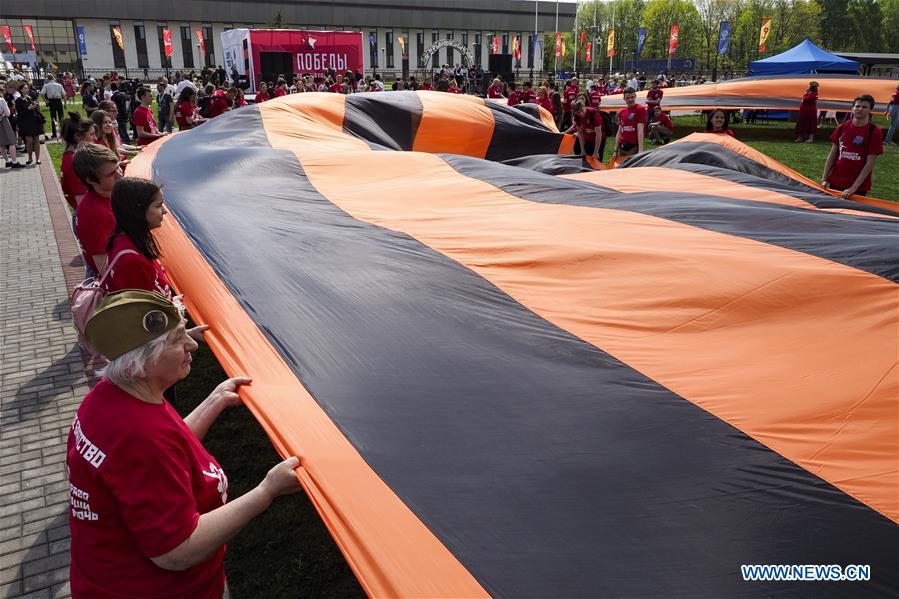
x=76 y=130
x=139 y=208
x=30 y=123
x=186 y=111
x=718 y=122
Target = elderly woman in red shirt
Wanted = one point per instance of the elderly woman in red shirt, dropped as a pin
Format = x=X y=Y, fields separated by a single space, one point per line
x=150 y=514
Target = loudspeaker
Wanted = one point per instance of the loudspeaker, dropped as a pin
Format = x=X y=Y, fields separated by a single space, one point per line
x=501 y=65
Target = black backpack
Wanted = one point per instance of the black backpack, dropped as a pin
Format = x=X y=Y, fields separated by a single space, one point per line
x=203 y=105
x=609 y=127
x=120 y=99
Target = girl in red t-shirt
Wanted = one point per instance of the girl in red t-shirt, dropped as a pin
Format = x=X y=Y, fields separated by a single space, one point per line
x=544 y=100
x=262 y=95
x=186 y=110
x=807 y=121
x=718 y=122
x=75 y=131
x=132 y=252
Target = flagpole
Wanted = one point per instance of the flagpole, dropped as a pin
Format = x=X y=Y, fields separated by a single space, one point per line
x=593 y=55
x=534 y=41
x=717 y=48
x=576 y=45
x=556 y=59
x=613 y=46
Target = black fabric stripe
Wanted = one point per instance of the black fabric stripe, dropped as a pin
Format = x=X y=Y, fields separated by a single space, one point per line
x=517 y=134
x=552 y=164
x=546 y=466
x=389 y=120
x=714 y=160
x=866 y=243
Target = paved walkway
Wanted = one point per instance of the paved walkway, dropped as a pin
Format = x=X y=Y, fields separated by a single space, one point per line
x=42 y=381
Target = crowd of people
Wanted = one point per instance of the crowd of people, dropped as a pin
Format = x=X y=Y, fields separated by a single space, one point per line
x=149 y=500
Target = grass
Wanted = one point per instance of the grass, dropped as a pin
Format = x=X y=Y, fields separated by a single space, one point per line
x=287 y=551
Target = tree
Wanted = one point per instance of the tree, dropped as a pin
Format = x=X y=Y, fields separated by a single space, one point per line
x=658 y=17
x=833 y=22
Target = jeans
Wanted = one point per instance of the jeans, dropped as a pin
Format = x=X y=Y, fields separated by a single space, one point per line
x=894 y=123
x=164 y=123
x=123 y=132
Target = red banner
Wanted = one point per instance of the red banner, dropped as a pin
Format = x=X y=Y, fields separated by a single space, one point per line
x=589 y=56
x=494 y=45
x=516 y=48
x=167 y=41
x=582 y=38
x=763 y=34
x=558 y=45
x=4 y=29
x=29 y=31
x=672 y=40
x=200 y=39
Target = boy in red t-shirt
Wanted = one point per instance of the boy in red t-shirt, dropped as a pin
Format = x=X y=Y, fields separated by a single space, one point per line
x=587 y=123
x=568 y=96
x=856 y=144
x=661 y=128
x=595 y=96
x=529 y=95
x=143 y=120
x=631 y=126
x=516 y=97
x=654 y=97
x=98 y=168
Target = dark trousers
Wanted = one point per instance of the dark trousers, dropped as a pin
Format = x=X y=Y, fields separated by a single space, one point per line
x=123 y=132
x=56 y=112
x=590 y=147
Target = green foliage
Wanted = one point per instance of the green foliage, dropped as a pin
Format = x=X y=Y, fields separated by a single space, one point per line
x=848 y=25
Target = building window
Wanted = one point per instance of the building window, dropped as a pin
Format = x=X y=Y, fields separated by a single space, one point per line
x=477 y=49
x=435 y=60
x=505 y=43
x=532 y=49
x=118 y=53
x=373 y=48
x=140 y=42
x=165 y=61
x=229 y=26
x=388 y=45
x=449 y=50
x=420 y=48
x=210 y=46
x=187 y=47
x=55 y=41
x=465 y=39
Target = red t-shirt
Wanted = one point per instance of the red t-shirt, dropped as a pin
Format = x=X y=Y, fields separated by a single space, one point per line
x=425 y=87
x=135 y=271
x=139 y=479
x=240 y=102
x=665 y=121
x=530 y=96
x=810 y=99
x=628 y=119
x=855 y=144
x=69 y=181
x=336 y=88
x=280 y=92
x=654 y=97
x=515 y=99
x=262 y=97
x=547 y=104
x=588 y=123
x=568 y=96
x=453 y=89
x=143 y=117
x=894 y=99
x=182 y=112
x=495 y=91
x=595 y=98
x=94 y=223
x=217 y=105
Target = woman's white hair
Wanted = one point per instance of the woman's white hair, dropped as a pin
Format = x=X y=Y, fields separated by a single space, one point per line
x=131 y=366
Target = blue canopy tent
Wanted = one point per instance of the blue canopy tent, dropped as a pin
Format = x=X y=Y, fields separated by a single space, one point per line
x=805 y=58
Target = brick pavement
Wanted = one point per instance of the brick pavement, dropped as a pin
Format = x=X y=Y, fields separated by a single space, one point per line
x=42 y=381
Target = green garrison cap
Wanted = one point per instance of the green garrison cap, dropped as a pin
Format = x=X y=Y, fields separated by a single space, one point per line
x=127 y=319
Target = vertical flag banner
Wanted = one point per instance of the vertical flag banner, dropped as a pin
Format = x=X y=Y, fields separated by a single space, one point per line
x=516 y=48
x=372 y=39
x=672 y=39
x=402 y=42
x=199 y=33
x=494 y=46
x=29 y=31
x=589 y=55
x=763 y=34
x=610 y=46
x=558 y=45
x=82 y=41
x=641 y=40
x=4 y=29
x=582 y=39
x=117 y=33
x=564 y=49
x=724 y=38
x=167 y=41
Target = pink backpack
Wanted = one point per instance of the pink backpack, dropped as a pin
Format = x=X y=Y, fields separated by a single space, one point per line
x=86 y=296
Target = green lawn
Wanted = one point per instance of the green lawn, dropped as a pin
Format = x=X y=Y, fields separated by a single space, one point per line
x=287 y=551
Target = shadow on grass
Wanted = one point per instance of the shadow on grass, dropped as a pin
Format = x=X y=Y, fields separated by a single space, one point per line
x=287 y=551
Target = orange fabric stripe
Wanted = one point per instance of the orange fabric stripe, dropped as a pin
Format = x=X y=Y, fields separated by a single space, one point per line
x=765 y=344
x=389 y=549
x=453 y=124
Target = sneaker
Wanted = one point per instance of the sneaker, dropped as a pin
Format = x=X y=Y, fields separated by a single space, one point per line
x=17 y=165
x=8 y=164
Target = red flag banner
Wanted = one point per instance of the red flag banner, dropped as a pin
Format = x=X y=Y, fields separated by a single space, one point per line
x=29 y=31
x=167 y=41
x=516 y=48
x=763 y=34
x=200 y=39
x=582 y=38
x=589 y=56
x=494 y=45
x=4 y=29
x=672 y=39
x=558 y=45
x=117 y=34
